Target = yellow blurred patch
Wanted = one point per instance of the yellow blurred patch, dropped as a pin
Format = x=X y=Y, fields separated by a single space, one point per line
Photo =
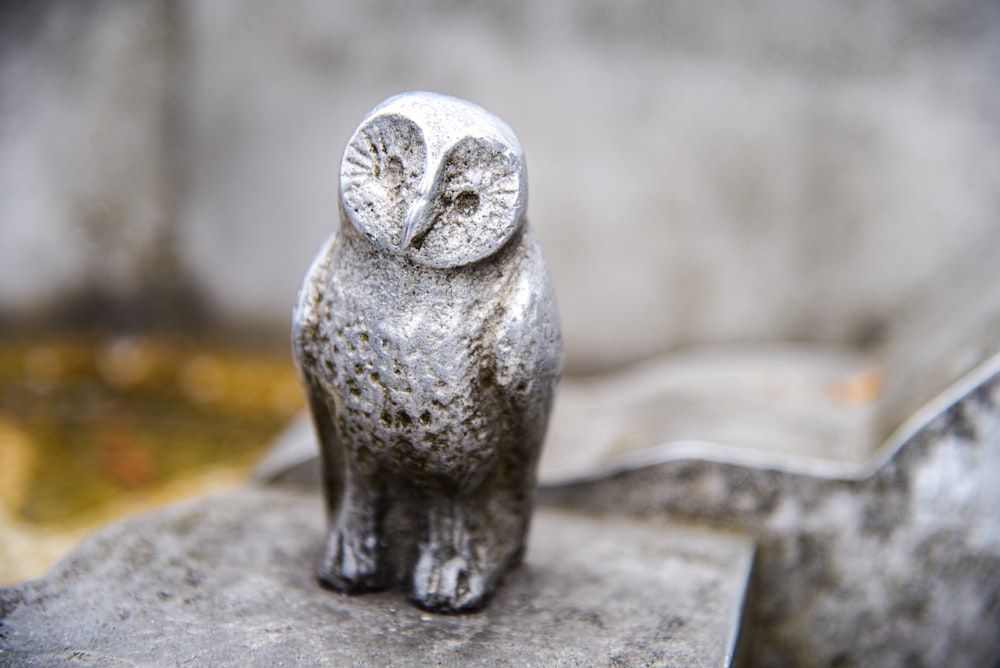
x=94 y=429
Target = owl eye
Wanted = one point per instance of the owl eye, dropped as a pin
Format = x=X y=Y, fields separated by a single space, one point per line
x=392 y=172
x=466 y=202
x=479 y=204
x=382 y=166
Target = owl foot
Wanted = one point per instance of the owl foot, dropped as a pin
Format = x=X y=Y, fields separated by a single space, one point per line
x=350 y=563
x=452 y=585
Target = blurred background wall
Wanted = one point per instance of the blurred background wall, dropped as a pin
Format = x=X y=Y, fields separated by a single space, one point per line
x=698 y=171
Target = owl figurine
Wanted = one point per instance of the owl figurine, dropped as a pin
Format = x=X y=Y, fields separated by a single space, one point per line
x=427 y=340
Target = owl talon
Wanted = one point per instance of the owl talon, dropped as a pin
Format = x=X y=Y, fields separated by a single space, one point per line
x=350 y=564
x=454 y=585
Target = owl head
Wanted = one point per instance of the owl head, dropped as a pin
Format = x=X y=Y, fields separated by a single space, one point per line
x=434 y=179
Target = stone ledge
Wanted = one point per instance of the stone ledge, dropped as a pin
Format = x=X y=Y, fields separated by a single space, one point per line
x=227 y=581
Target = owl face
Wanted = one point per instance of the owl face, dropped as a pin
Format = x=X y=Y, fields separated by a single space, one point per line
x=435 y=179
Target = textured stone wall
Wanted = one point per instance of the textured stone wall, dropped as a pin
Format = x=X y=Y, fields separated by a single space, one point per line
x=699 y=171
x=84 y=205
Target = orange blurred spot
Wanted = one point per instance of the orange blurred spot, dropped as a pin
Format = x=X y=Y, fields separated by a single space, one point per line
x=856 y=390
x=122 y=458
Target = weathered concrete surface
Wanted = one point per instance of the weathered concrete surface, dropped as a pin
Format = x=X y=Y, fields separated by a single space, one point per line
x=894 y=566
x=228 y=581
x=699 y=172
x=84 y=139
x=805 y=406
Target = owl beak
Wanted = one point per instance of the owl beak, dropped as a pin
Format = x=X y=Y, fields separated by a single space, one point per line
x=415 y=223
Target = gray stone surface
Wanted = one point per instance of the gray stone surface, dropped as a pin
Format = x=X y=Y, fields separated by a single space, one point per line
x=786 y=173
x=893 y=565
x=226 y=581
x=783 y=404
x=84 y=98
x=699 y=172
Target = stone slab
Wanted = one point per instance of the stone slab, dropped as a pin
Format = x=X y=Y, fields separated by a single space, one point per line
x=227 y=581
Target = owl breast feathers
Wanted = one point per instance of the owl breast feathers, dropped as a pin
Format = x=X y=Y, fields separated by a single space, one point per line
x=428 y=342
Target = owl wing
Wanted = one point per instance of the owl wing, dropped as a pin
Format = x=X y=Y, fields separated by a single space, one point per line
x=529 y=346
x=308 y=308
x=306 y=339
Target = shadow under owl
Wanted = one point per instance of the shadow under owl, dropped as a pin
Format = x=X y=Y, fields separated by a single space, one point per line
x=427 y=339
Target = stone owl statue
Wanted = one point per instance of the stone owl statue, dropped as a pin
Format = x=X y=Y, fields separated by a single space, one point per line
x=428 y=342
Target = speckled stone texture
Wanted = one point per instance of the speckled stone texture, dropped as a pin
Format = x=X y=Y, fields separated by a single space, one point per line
x=226 y=581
